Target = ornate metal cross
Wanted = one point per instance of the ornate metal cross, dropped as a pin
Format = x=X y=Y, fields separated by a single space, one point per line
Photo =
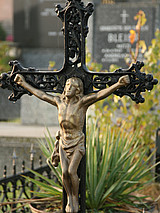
x=74 y=17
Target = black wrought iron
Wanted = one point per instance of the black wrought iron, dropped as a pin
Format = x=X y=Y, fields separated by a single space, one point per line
x=74 y=17
x=15 y=187
x=93 y=81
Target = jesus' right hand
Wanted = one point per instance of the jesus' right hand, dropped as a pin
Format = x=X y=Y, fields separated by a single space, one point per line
x=19 y=79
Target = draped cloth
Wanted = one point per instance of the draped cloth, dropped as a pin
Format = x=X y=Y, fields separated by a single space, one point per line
x=69 y=146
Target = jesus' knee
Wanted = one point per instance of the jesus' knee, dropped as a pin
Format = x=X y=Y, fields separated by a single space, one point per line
x=65 y=173
x=73 y=174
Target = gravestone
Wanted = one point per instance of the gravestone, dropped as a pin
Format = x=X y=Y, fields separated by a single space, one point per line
x=8 y=110
x=38 y=32
x=36 y=24
x=22 y=147
x=112 y=26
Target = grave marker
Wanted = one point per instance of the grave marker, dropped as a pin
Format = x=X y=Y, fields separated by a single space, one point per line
x=36 y=24
x=113 y=23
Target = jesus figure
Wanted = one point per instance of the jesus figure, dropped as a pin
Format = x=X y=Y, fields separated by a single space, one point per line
x=72 y=105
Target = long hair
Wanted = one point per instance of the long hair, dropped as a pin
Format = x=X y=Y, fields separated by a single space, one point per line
x=77 y=82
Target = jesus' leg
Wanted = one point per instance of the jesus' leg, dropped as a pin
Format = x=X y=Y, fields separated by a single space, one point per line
x=73 y=166
x=66 y=180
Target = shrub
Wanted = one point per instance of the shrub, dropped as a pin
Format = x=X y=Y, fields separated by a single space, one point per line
x=117 y=166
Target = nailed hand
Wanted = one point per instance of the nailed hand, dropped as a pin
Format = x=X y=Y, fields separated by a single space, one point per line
x=19 y=79
x=124 y=80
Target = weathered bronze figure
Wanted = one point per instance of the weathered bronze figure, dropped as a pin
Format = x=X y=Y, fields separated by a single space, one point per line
x=72 y=105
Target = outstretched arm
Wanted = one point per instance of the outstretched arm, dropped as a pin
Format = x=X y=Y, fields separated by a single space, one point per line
x=104 y=93
x=20 y=80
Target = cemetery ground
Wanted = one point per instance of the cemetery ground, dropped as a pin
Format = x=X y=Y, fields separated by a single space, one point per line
x=152 y=190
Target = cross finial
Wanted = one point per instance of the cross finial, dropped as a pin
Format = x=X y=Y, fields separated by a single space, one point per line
x=74 y=17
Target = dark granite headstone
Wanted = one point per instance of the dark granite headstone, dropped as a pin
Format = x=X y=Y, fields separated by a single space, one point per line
x=36 y=24
x=111 y=35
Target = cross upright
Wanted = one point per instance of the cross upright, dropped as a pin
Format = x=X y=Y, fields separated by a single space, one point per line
x=78 y=88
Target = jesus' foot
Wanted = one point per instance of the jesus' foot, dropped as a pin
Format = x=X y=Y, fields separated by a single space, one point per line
x=69 y=208
x=75 y=204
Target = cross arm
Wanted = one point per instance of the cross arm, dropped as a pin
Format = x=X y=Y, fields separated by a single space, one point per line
x=54 y=81
x=20 y=80
x=139 y=82
x=46 y=81
x=104 y=93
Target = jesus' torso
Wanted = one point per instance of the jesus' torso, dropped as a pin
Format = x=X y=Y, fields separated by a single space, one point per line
x=71 y=119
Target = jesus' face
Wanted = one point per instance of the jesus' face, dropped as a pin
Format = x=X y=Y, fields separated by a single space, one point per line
x=70 y=88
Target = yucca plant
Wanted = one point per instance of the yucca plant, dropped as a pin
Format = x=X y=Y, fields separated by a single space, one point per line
x=117 y=166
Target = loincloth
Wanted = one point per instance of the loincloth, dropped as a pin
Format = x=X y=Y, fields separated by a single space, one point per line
x=69 y=146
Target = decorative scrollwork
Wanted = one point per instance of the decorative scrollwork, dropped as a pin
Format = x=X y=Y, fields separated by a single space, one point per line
x=139 y=82
x=45 y=81
x=54 y=81
x=74 y=17
x=73 y=26
x=99 y=82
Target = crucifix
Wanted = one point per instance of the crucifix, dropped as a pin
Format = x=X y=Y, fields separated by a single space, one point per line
x=78 y=88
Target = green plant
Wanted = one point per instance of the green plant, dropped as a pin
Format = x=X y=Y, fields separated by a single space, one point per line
x=119 y=111
x=146 y=115
x=49 y=191
x=4 y=57
x=117 y=166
